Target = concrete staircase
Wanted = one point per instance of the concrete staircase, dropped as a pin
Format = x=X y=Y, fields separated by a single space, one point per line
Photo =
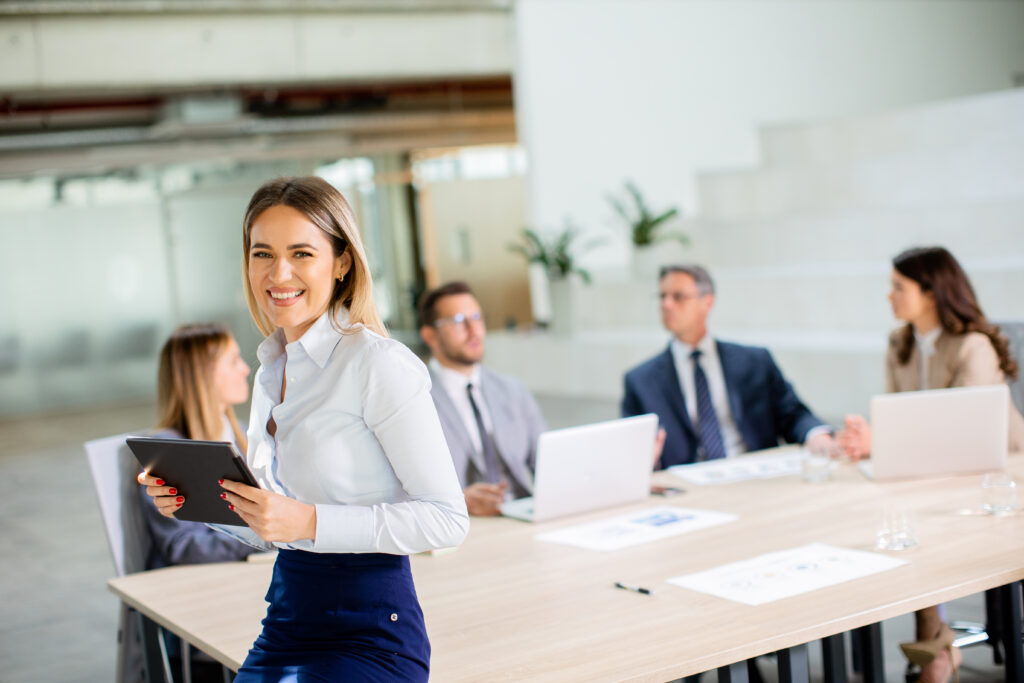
x=800 y=249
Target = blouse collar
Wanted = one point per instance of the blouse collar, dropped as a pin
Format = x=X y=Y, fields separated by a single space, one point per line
x=318 y=341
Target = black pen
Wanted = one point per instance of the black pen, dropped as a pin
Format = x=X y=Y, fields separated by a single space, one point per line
x=635 y=589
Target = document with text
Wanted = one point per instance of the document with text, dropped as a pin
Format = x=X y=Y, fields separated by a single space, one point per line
x=643 y=526
x=741 y=468
x=783 y=574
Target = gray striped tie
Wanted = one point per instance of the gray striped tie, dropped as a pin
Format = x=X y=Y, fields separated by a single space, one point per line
x=491 y=462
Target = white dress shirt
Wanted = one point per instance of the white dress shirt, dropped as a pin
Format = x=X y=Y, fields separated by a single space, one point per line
x=925 y=351
x=358 y=437
x=712 y=366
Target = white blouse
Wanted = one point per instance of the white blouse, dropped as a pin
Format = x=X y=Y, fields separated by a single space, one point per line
x=357 y=436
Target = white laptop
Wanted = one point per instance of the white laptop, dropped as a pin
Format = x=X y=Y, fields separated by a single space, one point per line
x=589 y=467
x=939 y=432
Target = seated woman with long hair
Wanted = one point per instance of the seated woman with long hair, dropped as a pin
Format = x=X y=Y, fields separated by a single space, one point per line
x=946 y=342
x=201 y=377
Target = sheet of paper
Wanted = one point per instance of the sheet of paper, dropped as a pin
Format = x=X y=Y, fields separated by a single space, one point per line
x=728 y=470
x=643 y=526
x=786 y=573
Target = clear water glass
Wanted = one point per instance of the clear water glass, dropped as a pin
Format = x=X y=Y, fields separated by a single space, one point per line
x=897 y=529
x=998 y=493
x=816 y=463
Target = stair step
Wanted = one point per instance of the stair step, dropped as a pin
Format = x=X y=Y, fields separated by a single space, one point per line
x=991 y=116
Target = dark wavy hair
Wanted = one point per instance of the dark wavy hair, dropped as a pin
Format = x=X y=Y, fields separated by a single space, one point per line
x=936 y=271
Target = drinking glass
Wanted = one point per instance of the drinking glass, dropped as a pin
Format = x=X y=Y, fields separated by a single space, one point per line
x=816 y=462
x=897 y=529
x=998 y=493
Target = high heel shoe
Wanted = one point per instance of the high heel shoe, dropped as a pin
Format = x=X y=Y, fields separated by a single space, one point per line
x=924 y=652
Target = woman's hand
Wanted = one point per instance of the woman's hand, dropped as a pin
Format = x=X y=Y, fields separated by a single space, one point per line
x=272 y=516
x=855 y=437
x=165 y=497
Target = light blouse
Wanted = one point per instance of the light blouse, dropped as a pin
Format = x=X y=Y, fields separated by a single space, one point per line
x=358 y=437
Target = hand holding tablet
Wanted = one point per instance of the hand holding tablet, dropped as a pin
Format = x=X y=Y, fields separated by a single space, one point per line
x=191 y=470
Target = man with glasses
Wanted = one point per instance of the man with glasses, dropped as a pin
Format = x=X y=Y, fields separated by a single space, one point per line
x=491 y=421
x=714 y=399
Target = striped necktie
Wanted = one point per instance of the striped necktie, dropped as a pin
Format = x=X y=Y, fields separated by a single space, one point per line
x=711 y=444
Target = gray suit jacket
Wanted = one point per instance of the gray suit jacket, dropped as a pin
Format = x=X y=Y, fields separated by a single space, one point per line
x=517 y=423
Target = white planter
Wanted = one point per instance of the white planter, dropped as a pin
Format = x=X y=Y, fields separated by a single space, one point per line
x=540 y=293
x=565 y=307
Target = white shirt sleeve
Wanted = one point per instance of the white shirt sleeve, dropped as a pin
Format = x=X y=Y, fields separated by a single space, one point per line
x=398 y=409
x=245 y=535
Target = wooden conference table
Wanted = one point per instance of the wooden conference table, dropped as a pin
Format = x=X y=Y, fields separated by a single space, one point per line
x=507 y=606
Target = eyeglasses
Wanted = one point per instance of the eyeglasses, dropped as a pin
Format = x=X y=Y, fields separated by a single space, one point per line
x=460 y=319
x=678 y=297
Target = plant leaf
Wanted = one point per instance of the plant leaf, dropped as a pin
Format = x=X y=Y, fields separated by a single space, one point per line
x=674 y=237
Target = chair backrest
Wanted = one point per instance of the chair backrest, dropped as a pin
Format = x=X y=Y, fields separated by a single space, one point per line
x=113 y=470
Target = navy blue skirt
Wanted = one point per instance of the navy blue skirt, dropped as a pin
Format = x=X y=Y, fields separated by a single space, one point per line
x=340 y=617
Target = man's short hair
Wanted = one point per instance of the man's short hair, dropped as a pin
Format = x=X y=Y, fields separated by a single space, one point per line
x=428 y=302
x=701 y=277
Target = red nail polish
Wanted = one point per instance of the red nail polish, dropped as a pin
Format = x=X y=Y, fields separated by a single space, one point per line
x=220 y=481
x=231 y=507
x=224 y=496
x=178 y=505
x=172 y=492
x=180 y=499
x=159 y=482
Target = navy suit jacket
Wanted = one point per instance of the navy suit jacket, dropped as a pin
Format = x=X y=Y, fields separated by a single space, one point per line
x=763 y=404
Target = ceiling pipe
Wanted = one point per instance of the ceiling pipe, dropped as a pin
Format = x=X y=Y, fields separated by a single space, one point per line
x=125 y=7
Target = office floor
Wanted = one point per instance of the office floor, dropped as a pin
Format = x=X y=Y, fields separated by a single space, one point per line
x=58 y=622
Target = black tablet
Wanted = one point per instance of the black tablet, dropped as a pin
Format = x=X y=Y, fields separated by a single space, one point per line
x=194 y=468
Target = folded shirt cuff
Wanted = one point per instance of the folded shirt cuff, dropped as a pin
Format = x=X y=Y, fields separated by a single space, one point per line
x=343 y=529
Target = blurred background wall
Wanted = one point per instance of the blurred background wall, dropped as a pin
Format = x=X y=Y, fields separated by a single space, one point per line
x=805 y=143
x=133 y=133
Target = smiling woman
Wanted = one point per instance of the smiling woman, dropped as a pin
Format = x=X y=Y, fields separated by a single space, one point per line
x=311 y=216
x=293 y=270
x=344 y=440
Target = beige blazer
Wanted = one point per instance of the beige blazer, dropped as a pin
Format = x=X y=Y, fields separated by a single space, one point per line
x=960 y=360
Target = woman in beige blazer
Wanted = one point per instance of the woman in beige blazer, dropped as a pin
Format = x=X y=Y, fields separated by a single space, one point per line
x=947 y=342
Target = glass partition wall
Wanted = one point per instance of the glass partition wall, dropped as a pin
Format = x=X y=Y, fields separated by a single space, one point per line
x=99 y=270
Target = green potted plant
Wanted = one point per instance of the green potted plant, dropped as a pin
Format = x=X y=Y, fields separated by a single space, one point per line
x=646 y=228
x=552 y=262
x=554 y=254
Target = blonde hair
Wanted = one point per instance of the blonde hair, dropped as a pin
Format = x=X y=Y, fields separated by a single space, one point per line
x=327 y=209
x=186 y=397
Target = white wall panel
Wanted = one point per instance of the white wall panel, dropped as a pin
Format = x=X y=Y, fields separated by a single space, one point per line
x=658 y=91
x=357 y=46
x=167 y=50
x=211 y=49
x=18 y=66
